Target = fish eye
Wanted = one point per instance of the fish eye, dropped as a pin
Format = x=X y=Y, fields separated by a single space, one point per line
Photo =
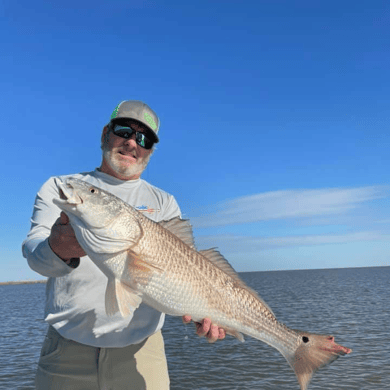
x=92 y=190
x=305 y=339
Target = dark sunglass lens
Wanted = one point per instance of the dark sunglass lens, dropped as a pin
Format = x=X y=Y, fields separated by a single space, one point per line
x=143 y=140
x=124 y=133
x=140 y=139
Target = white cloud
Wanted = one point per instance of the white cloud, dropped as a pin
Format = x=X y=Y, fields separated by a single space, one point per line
x=238 y=243
x=287 y=204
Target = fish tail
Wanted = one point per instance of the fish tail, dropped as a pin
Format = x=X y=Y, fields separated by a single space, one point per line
x=314 y=351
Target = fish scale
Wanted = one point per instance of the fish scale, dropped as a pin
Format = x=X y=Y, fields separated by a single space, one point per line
x=158 y=264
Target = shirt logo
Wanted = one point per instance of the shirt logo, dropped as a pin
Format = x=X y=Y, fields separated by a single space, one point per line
x=146 y=209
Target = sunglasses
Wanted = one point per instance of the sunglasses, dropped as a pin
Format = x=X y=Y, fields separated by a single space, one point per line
x=127 y=132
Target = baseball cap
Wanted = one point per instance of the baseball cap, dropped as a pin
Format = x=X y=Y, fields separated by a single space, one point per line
x=141 y=112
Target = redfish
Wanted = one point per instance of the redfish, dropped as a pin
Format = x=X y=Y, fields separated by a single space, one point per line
x=158 y=264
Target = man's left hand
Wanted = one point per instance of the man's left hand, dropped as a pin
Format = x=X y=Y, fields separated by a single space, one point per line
x=207 y=329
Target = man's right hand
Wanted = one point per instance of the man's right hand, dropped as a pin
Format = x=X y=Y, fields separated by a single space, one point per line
x=62 y=240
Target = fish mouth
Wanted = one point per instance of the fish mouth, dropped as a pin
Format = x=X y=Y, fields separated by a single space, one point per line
x=62 y=194
x=333 y=347
x=68 y=195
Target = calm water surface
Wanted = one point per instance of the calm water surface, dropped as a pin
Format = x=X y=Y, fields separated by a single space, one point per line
x=351 y=304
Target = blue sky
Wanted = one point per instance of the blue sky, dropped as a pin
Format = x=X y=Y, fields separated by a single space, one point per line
x=274 y=118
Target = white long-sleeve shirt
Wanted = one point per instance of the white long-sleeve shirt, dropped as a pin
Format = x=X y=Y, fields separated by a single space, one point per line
x=75 y=297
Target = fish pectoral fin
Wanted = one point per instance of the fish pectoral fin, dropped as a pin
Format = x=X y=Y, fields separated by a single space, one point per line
x=139 y=264
x=120 y=297
x=111 y=301
x=128 y=299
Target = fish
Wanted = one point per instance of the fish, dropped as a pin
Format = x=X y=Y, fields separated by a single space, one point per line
x=159 y=265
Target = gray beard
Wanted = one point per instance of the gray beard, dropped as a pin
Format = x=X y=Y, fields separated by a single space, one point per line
x=126 y=171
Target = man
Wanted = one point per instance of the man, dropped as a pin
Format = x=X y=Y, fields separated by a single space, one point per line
x=84 y=348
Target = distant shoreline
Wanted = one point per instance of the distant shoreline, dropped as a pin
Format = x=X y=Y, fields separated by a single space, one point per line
x=239 y=272
x=23 y=282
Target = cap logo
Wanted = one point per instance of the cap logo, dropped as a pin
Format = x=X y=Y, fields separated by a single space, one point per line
x=150 y=120
x=115 y=112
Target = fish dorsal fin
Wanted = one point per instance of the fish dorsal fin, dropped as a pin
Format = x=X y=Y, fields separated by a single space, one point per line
x=180 y=228
x=219 y=261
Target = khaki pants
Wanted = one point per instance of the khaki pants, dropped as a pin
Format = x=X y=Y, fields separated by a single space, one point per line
x=67 y=365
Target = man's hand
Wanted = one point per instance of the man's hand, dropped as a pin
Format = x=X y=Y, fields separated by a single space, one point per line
x=206 y=328
x=62 y=240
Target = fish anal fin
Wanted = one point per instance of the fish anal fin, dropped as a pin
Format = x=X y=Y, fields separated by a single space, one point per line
x=120 y=297
x=181 y=228
x=239 y=336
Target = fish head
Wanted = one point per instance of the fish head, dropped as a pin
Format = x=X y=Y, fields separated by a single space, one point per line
x=324 y=343
x=87 y=204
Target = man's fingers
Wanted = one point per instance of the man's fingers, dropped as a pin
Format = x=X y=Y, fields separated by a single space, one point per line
x=63 y=241
x=221 y=333
x=64 y=219
x=213 y=334
x=206 y=328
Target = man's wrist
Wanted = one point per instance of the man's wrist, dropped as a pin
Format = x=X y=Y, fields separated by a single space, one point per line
x=74 y=262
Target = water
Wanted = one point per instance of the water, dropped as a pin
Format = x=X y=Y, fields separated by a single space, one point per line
x=351 y=304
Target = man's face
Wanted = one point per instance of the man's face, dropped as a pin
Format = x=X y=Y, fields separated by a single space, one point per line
x=123 y=158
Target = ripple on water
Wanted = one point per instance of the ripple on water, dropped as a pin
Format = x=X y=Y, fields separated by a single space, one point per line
x=351 y=304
